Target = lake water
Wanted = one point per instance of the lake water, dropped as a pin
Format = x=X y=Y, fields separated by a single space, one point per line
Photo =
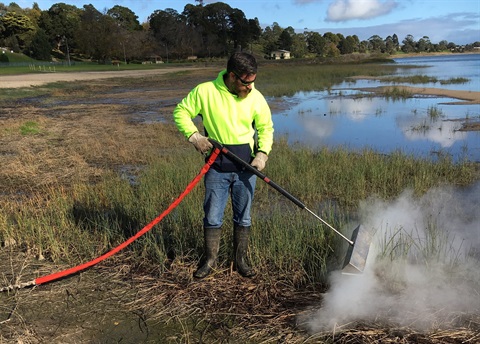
x=339 y=118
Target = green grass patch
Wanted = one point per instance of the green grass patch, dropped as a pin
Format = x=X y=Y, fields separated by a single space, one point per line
x=423 y=79
x=454 y=81
x=397 y=93
x=30 y=128
x=413 y=79
x=17 y=57
x=434 y=112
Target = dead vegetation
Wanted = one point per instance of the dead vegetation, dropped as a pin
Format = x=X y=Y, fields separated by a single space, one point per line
x=80 y=134
x=120 y=302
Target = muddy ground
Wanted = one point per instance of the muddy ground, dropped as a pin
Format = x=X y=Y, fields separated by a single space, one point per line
x=116 y=301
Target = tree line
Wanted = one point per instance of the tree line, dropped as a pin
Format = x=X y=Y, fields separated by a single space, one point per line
x=206 y=31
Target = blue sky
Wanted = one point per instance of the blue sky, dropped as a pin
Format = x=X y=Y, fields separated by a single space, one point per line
x=452 y=20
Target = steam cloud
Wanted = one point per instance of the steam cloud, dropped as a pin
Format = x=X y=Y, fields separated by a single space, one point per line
x=430 y=273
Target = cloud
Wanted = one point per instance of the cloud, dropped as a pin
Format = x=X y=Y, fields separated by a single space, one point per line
x=344 y=10
x=445 y=133
x=460 y=28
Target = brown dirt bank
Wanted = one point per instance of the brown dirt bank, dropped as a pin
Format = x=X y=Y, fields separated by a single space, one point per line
x=468 y=97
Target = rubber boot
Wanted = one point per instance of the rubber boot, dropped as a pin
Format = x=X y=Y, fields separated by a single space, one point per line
x=240 y=245
x=212 y=245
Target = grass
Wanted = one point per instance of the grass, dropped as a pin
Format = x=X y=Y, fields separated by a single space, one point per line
x=17 y=57
x=397 y=93
x=29 y=128
x=423 y=79
x=292 y=78
x=98 y=216
x=80 y=174
x=434 y=112
x=454 y=81
x=65 y=200
x=413 y=79
x=21 y=64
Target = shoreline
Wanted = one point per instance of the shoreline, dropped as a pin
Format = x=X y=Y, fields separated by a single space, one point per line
x=464 y=97
x=40 y=79
x=402 y=55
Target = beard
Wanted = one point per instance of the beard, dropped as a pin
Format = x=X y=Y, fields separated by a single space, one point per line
x=243 y=93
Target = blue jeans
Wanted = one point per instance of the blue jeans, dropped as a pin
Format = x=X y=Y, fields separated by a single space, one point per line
x=240 y=186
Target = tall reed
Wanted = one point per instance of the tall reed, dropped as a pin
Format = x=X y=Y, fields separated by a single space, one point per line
x=77 y=224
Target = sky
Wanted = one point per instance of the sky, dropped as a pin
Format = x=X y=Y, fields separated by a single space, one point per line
x=455 y=21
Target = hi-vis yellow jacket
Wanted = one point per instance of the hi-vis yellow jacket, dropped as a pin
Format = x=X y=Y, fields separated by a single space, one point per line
x=244 y=126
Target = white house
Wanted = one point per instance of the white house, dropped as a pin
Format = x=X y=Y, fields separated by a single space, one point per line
x=280 y=54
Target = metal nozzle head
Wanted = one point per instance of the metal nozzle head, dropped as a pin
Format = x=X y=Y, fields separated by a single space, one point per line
x=357 y=253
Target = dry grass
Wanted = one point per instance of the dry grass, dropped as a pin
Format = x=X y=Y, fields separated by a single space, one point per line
x=253 y=310
x=82 y=133
x=74 y=143
x=100 y=302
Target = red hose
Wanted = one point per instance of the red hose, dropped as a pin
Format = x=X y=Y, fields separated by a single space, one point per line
x=193 y=183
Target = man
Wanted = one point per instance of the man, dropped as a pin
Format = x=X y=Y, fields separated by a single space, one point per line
x=237 y=115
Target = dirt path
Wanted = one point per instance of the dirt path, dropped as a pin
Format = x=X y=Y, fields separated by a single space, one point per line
x=31 y=80
x=38 y=79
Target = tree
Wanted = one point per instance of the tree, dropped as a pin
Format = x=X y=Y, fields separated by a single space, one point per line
x=363 y=46
x=254 y=29
x=40 y=47
x=164 y=26
x=217 y=17
x=376 y=44
x=389 y=45
x=348 y=45
x=442 y=45
x=331 y=50
x=125 y=18
x=17 y=28
x=424 y=44
x=299 y=45
x=270 y=37
x=61 y=23
x=4 y=58
x=285 y=40
x=395 y=41
x=239 y=29
x=316 y=43
x=98 y=35
x=408 y=44
x=331 y=37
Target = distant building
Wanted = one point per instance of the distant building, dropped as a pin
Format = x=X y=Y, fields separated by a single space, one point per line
x=280 y=54
x=153 y=59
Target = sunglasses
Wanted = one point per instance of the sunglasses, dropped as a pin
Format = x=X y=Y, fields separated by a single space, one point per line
x=243 y=82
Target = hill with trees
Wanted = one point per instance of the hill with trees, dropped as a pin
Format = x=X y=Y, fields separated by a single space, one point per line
x=204 y=31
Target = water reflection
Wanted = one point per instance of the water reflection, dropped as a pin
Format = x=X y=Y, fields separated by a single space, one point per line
x=349 y=116
x=342 y=117
x=444 y=133
x=446 y=67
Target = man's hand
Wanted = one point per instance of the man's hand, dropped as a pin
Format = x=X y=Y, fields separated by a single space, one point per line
x=259 y=161
x=200 y=142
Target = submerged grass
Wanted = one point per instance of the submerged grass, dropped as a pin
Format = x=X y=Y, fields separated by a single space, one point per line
x=292 y=78
x=424 y=79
